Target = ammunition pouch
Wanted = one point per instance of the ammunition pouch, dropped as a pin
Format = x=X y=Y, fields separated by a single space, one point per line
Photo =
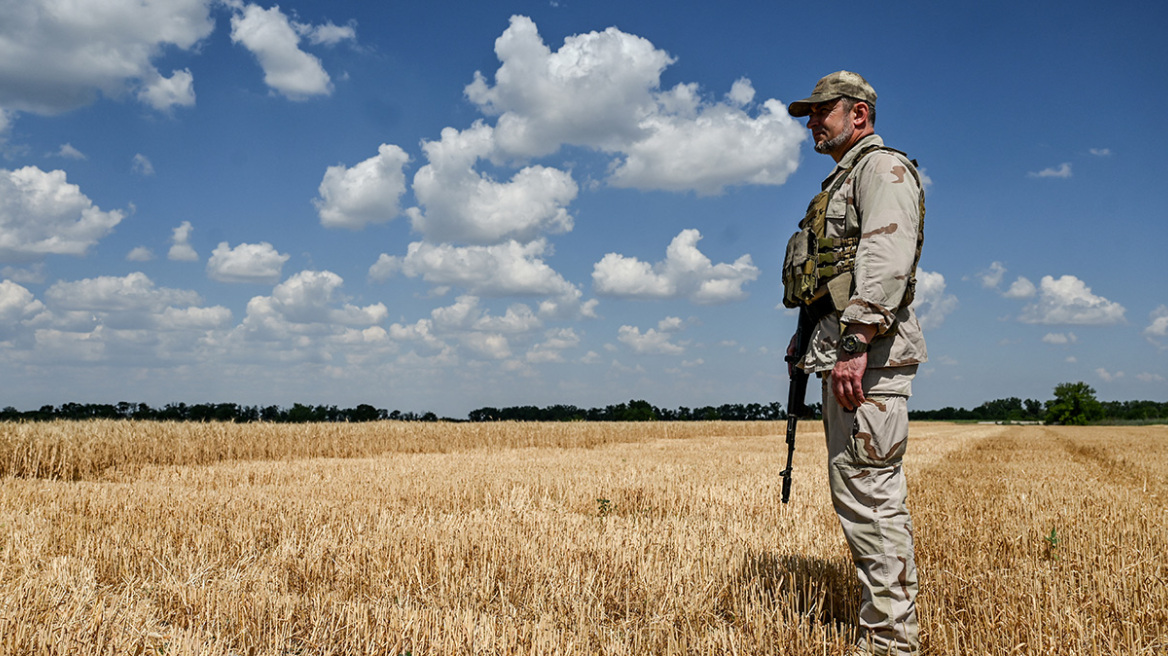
x=799 y=279
x=813 y=261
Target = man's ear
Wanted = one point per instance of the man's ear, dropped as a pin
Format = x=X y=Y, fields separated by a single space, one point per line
x=860 y=113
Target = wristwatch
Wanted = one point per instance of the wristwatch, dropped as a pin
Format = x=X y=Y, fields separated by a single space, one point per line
x=851 y=343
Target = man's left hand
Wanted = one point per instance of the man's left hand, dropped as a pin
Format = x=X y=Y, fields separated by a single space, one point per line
x=847 y=378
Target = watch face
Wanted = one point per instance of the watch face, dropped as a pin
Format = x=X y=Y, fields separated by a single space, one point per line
x=852 y=344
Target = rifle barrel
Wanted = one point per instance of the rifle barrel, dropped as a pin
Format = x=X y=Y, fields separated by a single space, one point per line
x=796 y=392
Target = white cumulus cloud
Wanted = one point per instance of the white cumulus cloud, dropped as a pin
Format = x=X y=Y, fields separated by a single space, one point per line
x=483 y=334
x=17 y=305
x=467 y=314
x=180 y=244
x=498 y=270
x=1059 y=338
x=602 y=90
x=194 y=318
x=133 y=292
x=308 y=319
x=654 y=340
x=1068 y=300
x=721 y=146
x=163 y=93
x=58 y=56
x=518 y=319
x=684 y=273
x=42 y=214
x=33 y=273
x=992 y=277
x=463 y=205
x=468 y=328
x=142 y=165
x=112 y=310
x=308 y=297
x=551 y=349
x=931 y=303
x=140 y=254
x=591 y=91
x=258 y=263
x=1062 y=171
x=422 y=332
x=384 y=268
x=1021 y=288
x=327 y=34
x=365 y=194
x=741 y=92
x=275 y=42
x=488 y=345
x=1158 y=326
x=1108 y=376
x=69 y=152
x=1159 y=322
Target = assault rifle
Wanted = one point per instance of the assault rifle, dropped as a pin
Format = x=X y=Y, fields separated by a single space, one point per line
x=797 y=391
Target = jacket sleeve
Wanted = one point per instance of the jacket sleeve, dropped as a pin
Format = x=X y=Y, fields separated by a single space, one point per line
x=887 y=203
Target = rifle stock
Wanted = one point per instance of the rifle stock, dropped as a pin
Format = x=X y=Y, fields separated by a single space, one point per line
x=797 y=391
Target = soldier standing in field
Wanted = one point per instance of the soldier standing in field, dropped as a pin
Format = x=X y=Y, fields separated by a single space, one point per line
x=852 y=265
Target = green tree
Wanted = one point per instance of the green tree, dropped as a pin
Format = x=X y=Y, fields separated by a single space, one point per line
x=1074 y=404
x=638 y=411
x=1000 y=409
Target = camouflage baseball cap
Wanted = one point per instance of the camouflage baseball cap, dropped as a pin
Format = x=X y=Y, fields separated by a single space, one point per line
x=830 y=87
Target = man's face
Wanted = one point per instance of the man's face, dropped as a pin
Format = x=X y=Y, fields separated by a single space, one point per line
x=831 y=125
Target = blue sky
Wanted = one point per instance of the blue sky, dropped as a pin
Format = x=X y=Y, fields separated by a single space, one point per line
x=448 y=205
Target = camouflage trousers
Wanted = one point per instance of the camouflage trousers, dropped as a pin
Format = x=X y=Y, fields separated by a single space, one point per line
x=868 y=491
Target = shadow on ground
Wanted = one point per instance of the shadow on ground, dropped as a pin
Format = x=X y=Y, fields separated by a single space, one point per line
x=817 y=590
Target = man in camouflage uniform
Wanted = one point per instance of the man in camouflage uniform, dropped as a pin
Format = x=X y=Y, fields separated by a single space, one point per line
x=866 y=346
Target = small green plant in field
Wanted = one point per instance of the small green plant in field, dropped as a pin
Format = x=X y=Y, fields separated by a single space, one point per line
x=1052 y=543
x=603 y=507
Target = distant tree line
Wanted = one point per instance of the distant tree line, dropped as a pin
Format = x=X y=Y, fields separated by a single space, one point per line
x=1074 y=403
x=634 y=411
x=230 y=412
x=1010 y=409
x=299 y=413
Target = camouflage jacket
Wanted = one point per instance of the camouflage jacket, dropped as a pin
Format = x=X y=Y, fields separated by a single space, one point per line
x=880 y=203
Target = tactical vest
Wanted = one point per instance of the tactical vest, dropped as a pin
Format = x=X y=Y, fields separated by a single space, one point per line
x=817 y=265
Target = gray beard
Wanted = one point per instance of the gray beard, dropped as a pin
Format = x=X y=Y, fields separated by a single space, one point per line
x=829 y=146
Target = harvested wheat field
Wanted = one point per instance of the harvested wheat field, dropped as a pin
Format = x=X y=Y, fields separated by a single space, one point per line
x=435 y=539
